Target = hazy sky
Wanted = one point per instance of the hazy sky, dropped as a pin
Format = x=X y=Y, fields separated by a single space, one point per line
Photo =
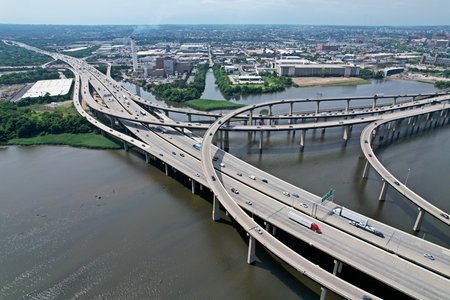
x=338 y=12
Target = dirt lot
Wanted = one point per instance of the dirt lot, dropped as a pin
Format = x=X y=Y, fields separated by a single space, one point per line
x=313 y=81
x=8 y=91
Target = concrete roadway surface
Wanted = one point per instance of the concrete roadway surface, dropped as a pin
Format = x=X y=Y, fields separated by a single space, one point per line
x=366 y=146
x=166 y=152
x=384 y=266
x=183 y=146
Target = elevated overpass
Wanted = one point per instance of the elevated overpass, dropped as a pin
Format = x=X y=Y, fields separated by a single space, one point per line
x=156 y=144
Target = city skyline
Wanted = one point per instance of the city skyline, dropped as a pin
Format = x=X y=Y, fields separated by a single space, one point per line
x=301 y=12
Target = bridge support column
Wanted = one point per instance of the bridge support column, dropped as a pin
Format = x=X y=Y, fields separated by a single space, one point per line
x=112 y=122
x=251 y=257
x=261 y=136
x=216 y=209
x=220 y=139
x=395 y=101
x=419 y=219
x=189 y=117
x=192 y=186
x=347 y=105
x=366 y=169
x=317 y=106
x=323 y=293
x=125 y=146
x=250 y=117
x=384 y=188
x=302 y=139
x=346 y=133
x=147 y=158
x=291 y=111
x=166 y=167
x=323 y=131
x=337 y=267
x=374 y=103
x=226 y=145
x=267 y=226
x=274 y=230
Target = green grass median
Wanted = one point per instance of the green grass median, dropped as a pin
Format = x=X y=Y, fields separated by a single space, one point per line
x=85 y=140
x=207 y=105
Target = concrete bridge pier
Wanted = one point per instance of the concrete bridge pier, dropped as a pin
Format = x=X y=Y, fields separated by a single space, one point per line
x=323 y=293
x=261 y=137
x=346 y=133
x=338 y=265
x=302 y=139
x=221 y=138
x=226 y=146
x=291 y=111
x=317 y=107
x=269 y=121
x=394 y=102
x=251 y=257
x=125 y=146
x=113 y=121
x=419 y=220
x=192 y=185
x=374 y=102
x=384 y=188
x=189 y=117
x=147 y=158
x=274 y=230
x=366 y=170
x=166 y=167
x=166 y=112
x=347 y=105
x=323 y=131
x=267 y=226
x=216 y=209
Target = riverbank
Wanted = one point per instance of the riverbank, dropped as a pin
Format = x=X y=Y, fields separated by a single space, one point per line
x=82 y=140
x=329 y=81
x=208 y=105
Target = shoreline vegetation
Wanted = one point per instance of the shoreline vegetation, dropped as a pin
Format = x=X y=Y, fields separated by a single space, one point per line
x=272 y=83
x=208 y=105
x=81 y=140
x=180 y=90
x=41 y=124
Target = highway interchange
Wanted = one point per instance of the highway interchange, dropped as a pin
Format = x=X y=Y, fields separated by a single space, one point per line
x=362 y=250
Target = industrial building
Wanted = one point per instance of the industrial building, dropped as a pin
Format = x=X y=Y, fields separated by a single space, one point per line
x=55 y=87
x=317 y=70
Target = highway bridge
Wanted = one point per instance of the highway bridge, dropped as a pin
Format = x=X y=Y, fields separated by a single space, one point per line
x=407 y=270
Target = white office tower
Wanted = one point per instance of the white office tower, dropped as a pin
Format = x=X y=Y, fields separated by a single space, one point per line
x=134 y=54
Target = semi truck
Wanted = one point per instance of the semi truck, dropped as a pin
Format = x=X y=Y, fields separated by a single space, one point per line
x=351 y=215
x=303 y=221
x=357 y=220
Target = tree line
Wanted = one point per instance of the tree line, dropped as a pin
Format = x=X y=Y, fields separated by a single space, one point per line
x=28 y=76
x=18 y=56
x=180 y=90
x=20 y=122
x=272 y=84
x=370 y=74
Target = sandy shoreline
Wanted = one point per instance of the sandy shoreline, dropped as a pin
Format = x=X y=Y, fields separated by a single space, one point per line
x=317 y=81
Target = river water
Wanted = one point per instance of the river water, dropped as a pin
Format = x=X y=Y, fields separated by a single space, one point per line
x=91 y=224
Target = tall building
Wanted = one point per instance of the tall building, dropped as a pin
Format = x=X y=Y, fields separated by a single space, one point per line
x=134 y=54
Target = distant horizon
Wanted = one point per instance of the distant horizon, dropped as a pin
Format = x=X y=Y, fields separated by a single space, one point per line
x=189 y=12
x=226 y=24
